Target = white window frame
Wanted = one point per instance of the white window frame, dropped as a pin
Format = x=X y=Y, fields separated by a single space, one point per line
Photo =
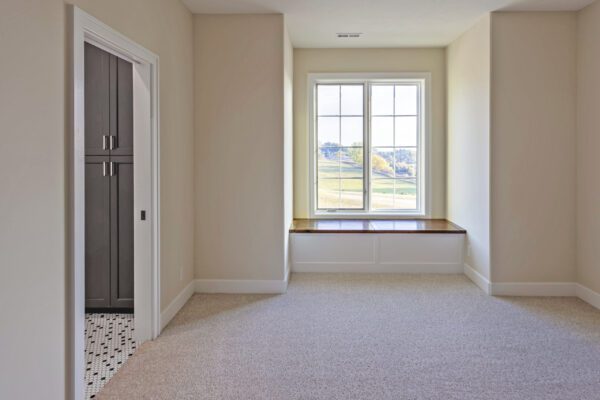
x=423 y=143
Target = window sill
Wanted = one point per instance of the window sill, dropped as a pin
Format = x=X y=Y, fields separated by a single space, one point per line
x=375 y=226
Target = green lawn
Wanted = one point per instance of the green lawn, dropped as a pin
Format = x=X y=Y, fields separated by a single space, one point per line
x=382 y=195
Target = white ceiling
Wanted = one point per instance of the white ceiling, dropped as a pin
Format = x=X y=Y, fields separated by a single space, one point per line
x=384 y=23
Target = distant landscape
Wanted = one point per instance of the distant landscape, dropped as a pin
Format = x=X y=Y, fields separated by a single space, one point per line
x=341 y=178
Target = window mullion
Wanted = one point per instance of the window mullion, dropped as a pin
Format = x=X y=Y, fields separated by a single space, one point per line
x=394 y=146
x=340 y=150
x=367 y=146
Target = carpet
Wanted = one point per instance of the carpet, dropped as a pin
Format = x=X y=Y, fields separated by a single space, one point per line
x=370 y=337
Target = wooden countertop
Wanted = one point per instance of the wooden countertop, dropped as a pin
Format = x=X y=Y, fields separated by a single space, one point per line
x=375 y=226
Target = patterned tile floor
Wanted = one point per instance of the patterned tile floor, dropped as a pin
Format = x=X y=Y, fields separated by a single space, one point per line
x=108 y=344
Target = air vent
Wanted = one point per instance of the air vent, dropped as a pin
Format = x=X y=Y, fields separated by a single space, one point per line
x=349 y=35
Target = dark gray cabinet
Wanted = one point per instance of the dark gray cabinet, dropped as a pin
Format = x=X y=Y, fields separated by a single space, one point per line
x=109 y=105
x=122 y=142
x=121 y=218
x=97 y=233
x=109 y=213
x=109 y=219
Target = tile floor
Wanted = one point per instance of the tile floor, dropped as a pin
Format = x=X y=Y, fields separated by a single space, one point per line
x=109 y=343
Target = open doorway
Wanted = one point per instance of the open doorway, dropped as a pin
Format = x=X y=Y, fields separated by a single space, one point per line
x=109 y=216
x=115 y=202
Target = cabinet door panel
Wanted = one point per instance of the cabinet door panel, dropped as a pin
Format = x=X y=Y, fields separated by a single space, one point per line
x=97 y=234
x=124 y=131
x=97 y=99
x=122 y=218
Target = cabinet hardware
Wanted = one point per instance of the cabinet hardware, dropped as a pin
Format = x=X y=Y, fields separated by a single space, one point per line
x=104 y=142
x=112 y=168
x=112 y=142
x=103 y=168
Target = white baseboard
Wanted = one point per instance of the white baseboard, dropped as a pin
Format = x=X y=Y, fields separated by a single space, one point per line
x=542 y=289
x=588 y=295
x=379 y=268
x=172 y=309
x=288 y=272
x=240 y=286
x=477 y=278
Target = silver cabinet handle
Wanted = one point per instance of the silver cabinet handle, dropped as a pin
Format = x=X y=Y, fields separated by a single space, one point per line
x=103 y=168
x=104 y=142
x=112 y=168
x=112 y=142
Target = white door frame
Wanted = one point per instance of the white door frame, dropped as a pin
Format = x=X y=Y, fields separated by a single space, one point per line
x=86 y=28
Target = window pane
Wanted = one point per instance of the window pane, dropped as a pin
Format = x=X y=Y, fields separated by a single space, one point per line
x=328 y=131
x=328 y=100
x=382 y=194
x=382 y=131
x=351 y=162
x=328 y=165
x=406 y=100
x=406 y=131
x=352 y=100
x=352 y=193
x=405 y=169
x=328 y=193
x=405 y=194
x=352 y=131
x=382 y=100
x=406 y=155
x=382 y=161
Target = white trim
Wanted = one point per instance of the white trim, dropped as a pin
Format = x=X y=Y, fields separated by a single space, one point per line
x=178 y=302
x=481 y=281
x=248 y=286
x=379 y=268
x=535 y=289
x=588 y=295
x=86 y=28
x=425 y=162
x=288 y=273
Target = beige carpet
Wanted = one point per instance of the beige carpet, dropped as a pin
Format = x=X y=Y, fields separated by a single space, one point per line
x=370 y=337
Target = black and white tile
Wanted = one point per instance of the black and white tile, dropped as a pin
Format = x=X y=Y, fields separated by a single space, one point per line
x=108 y=343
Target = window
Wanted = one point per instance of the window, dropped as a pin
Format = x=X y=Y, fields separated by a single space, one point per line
x=368 y=144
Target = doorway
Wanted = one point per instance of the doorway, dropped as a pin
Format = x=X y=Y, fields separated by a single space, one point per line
x=117 y=175
x=109 y=216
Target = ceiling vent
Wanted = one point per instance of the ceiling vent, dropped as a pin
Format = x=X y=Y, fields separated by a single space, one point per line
x=349 y=35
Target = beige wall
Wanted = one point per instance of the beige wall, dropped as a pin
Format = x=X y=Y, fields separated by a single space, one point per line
x=468 y=142
x=533 y=147
x=288 y=144
x=588 y=143
x=33 y=170
x=369 y=60
x=239 y=146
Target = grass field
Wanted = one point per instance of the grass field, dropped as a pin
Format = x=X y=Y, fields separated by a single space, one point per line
x=386 y=192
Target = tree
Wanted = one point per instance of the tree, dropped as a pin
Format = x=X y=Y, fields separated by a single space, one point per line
x=380 y=164
x=356 y=155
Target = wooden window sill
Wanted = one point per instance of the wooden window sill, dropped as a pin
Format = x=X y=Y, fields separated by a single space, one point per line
x=375 y=226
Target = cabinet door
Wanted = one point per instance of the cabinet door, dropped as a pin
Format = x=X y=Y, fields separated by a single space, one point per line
x=97 y=233
x=97 y=100
x=123 y=140
x=122 y=217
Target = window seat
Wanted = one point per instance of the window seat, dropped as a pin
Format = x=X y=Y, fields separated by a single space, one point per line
x=375 y=226
x=377 y=246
